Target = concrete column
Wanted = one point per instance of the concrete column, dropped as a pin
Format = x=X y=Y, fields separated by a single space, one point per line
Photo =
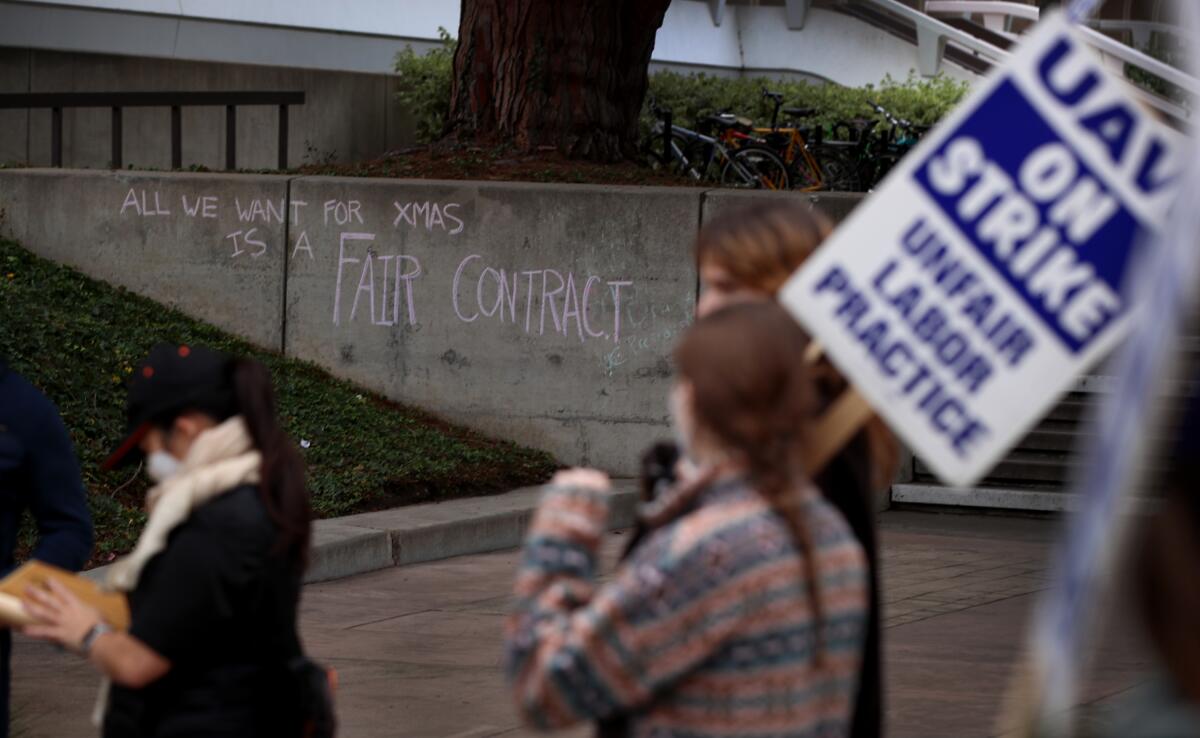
x=797 y=13
x=994 y=22
x=717 y=8
x=931 y=46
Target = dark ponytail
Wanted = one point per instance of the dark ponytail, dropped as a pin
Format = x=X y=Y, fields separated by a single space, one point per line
x=772 y=451
x=753 y=394
x=282 y=482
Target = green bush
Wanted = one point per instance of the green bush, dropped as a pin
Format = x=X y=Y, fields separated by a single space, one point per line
x=693 y=96
x=424 y=86
x=1154 y=83
x=78 y=339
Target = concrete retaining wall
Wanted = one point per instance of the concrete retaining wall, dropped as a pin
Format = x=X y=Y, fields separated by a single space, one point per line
x=541 y=313
x=837 y=205
x=204 y=243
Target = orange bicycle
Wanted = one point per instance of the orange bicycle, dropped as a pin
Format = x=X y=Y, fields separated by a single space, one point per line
x=789 y=143
x=751 y=152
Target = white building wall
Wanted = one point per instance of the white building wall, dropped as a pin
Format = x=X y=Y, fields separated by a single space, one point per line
x=363 y=36
x=833 y=46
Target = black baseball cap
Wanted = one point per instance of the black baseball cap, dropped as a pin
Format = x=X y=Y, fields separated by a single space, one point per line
x=172 y=379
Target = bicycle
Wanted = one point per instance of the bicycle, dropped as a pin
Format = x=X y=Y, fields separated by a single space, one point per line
x=902 y=137
x=715 y=158
x=861 y=154
x=847 y=155
x=789 y=142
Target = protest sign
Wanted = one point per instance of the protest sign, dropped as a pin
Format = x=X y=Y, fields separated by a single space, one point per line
x=987 y=273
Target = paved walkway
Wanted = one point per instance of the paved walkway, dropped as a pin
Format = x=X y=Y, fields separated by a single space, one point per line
x=419 y=654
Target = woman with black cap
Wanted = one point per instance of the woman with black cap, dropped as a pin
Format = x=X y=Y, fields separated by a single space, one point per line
x=214 y=580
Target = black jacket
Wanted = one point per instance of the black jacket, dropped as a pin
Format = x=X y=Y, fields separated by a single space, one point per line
x=39 y=473
x=220 y=605
x=846 y=483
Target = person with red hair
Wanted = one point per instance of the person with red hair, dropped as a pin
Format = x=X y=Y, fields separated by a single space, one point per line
x=742 y=609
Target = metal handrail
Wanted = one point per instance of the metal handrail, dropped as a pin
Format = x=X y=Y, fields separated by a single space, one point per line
x=1105 y=43
x=1133 y=26
x=176 y=101
x=982 y=7
x=146 y=99
x=927 y=24
x=1141 y=60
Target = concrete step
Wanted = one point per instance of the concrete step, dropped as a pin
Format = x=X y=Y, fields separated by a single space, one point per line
x=1051 y=437
x=1025 y=499
x=360 y=543
x=1026 y=467
x=1072 y=409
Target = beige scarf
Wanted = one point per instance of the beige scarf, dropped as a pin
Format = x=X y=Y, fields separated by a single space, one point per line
x=220 y=460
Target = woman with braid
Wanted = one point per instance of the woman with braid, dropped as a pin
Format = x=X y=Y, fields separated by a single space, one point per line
x=748 y=254
x=741 y=611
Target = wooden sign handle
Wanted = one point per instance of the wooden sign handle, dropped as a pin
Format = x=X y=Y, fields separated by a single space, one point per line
x=840 y=423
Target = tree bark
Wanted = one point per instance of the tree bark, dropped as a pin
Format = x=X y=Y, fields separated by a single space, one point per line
x=567 y=74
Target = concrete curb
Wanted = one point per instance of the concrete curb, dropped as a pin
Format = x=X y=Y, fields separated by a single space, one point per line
x=996 y=498
x=357 y=544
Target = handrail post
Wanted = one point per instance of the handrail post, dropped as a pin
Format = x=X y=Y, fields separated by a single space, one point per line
x=283 y=136
x=116 y=138
x=931 y=47
x=230 y=137
x=56 y=137
x=116 y=102
x=176 y=137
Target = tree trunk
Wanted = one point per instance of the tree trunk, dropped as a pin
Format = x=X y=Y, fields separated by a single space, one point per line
x=567 y=74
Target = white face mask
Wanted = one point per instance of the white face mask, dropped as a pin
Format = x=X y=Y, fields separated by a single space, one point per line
x=161 y=466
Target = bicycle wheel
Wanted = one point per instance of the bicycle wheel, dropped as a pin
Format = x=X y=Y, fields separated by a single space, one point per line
x=697 y=156
x=807 y=175
x=841 y=173
x=754 y=167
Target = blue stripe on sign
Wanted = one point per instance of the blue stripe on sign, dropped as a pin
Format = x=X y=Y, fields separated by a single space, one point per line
x=1036 y=212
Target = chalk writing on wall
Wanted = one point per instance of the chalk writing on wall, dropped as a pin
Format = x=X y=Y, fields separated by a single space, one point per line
x=247 y=242
x=372 y=281
x=505 y=296
x=140 y=204
x=259 y=210
x=377 y=282
x=432 y=216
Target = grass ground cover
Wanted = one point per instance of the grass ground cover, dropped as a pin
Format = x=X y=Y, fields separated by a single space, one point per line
x=78 y=340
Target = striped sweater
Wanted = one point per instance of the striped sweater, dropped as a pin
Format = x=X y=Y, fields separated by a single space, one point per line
x=706 y=630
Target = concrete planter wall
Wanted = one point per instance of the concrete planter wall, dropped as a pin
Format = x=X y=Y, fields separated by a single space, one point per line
x=541 y=313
